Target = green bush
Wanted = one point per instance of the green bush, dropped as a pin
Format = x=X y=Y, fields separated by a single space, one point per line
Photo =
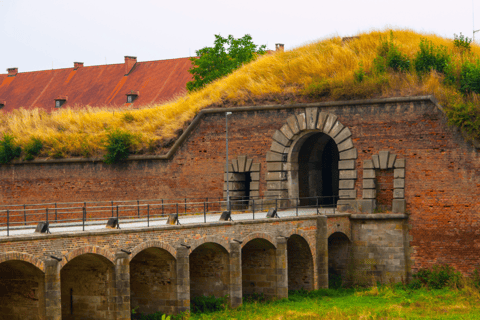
x=154 y=316
x=118 y=145
x=8 y=149
x=359 y=74
x=431 y=57
x=461 y=42
x=470 y=77
x=205 y=304
x=389 y=56
x=465 y=116
x=33 y=148
x=438 y=277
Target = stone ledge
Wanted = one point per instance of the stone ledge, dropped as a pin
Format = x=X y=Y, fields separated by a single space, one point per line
x=378 y=216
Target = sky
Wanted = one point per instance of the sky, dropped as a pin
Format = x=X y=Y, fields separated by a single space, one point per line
x=46 y=34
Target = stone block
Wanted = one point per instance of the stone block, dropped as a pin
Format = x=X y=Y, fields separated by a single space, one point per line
x=369 y=174
x=343 y=135
x=399 y=183
x=235 y=186
x=331 y=119
x=275 y=166
x=280 y=138
x=277 y=147
x=276 y=176
x=346 y=164
x=255 y=176
x=399 y=205
x=273 y=157
x=369 y=193
x=347 y=184
x=383 y=157
x=391 y=160
x=376 y=161
x=368 y=164
x=274 y=185
x=254 y=193
x=336 y=130
x=311 y=114
x=347 y=205
x=302 y=122
x=398 y=173
x=368 y=183
x=256 y=166
x=398 y=193
x=366 y=205
x=287 y=132
x=242 y=161
x=347 y=174
x=345 y=145
x=272 y=194
x=399 y=163
x=248 y=165
x=230 y=167
x=234 y=177
x=293 y=124
x=322 y=117
x=349 y=154
x=347 y=194
x=235 y=165
x=254 y=185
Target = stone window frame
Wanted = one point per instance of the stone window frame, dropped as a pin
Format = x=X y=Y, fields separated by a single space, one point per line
x=282 y=168
x=242 y=164
x=384 y=160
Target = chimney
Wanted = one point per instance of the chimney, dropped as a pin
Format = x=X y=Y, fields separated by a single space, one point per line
x=129 y=64
x=77 y=65
x=279 y=47
x=12 y=72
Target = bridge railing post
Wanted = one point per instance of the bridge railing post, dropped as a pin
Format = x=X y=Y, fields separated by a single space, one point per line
x=24 y=215
x=204 y=212
x=8 y=223
x=253 y=208
x=148 y=215
x=297 y=207
x=83 y=218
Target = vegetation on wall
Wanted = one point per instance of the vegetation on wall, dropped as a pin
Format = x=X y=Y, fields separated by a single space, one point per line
x=372 y=65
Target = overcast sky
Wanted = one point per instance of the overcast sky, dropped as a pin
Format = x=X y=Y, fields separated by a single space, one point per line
x=36 y=34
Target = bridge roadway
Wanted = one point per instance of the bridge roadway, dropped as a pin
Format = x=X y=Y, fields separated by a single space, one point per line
x=131 y=223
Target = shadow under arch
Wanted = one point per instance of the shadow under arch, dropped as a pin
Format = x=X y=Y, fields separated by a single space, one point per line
x=88 y=249
x=88 y=288
x=209 y=271
x=22 y=290
x=153 y=281
x=152 y=244
x=339 y=247
x=300 y=264
x=259 y=268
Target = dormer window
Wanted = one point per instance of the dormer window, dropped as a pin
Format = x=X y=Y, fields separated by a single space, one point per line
x=2 y=104
x=132 y=96
x=60 y=101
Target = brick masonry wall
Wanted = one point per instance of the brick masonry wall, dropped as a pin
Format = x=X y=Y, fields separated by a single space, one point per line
x=442 y=184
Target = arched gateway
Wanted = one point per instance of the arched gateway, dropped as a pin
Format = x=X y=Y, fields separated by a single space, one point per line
x=312 y=157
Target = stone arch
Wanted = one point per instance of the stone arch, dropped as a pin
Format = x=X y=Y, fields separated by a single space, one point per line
x=13 y=255
x=282 y=159
x=339 y=255
x=213 y=239
x=153 y=278
x=243 y=181
x=209 y=265
x=383 y=162
x=88 y=249
x=259 y=235
x=22 y=288
x=153 y=244
x=300 y=263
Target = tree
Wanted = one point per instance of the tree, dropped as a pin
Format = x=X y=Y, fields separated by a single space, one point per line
x=226 y=55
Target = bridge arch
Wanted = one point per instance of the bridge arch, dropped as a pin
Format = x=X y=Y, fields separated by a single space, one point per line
x=13 y=255
x=210 y=239
x=300 y=263
x=259 y=235
x=339 y=251
x=153 y=244
x=22 y=287
x=88 y=249
x=312 y=155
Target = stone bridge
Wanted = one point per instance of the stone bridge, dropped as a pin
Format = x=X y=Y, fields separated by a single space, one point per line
x=104 y=274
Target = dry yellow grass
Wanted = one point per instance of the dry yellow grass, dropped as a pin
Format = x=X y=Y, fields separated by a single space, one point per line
x=82 y=132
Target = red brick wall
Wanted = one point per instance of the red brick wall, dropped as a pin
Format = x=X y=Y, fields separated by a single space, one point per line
x=384 y=188
x=442 y=183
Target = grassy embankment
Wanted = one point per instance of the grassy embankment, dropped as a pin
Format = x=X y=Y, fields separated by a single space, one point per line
x=325 y=70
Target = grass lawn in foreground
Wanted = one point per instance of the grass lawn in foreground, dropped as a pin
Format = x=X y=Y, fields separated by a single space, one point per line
x=373 y=303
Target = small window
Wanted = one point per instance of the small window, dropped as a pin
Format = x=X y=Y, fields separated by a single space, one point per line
x=132 y=95
x=2 y=104
x=130 y=98
x=59 y=103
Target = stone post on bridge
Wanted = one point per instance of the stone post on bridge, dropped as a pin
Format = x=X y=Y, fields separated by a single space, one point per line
x=282 y=268
x=53 y=304
x=183 y=279
x=122 y=286
x=235 y=274
x=321 y=271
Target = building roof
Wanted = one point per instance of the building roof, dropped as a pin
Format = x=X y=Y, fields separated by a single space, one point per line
x=104 y=85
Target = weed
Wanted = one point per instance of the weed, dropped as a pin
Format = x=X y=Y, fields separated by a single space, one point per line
x=254 y=297
x=390 y=56
x=359 y=74
x=9 y=150
x=117 y=145
x=33 y=148
x=128 y=117
x=431 y=57
x=461 y=42
x=439 y=276
x=203 y=304
x=470 y=77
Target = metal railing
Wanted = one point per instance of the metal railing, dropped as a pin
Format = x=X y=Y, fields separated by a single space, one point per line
x=144 y=213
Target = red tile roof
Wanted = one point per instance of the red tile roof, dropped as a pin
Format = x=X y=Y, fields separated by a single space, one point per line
x=105 y=85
